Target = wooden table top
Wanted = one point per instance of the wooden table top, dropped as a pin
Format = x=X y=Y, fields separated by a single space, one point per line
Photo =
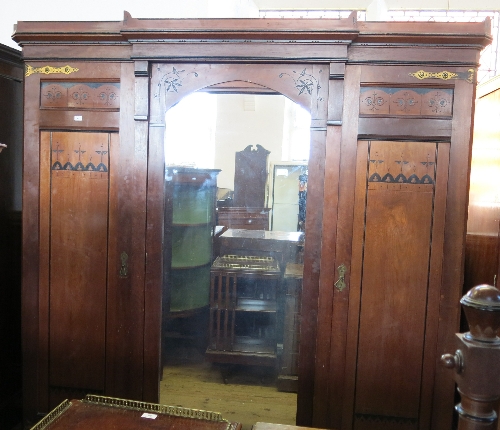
x=99 y=412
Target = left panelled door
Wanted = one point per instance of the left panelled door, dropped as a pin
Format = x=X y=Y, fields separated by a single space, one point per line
x=75 y=197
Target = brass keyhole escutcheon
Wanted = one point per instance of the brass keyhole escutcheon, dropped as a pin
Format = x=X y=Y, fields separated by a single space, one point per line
x=340 y=283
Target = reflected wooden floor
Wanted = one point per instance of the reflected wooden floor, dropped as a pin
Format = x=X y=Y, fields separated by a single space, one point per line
x=240 y=393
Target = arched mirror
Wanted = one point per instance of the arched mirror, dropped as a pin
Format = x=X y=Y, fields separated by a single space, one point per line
x=233 y=261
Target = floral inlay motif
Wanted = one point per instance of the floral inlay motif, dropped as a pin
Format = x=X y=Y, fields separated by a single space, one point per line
x=173 y=80
x=305 y=83
x=375 y=101
x=405 y=102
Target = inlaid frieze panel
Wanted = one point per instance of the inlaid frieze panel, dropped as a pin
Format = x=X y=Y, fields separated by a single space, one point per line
x=79 y=95
x=86 y=156
x=402 y=166
x=406 y=101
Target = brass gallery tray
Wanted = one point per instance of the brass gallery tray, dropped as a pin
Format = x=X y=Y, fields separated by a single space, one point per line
x=248 y=263
x=100 y=412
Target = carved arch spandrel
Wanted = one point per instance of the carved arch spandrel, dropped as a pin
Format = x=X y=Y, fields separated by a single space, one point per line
x=305 y=84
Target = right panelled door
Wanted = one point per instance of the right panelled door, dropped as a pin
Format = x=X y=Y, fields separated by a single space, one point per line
x=400 y=189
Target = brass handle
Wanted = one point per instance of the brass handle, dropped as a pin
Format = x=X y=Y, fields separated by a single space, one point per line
x=124 y=266
x=340 y=284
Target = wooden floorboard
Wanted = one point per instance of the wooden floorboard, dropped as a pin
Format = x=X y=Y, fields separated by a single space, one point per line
x=240 y=393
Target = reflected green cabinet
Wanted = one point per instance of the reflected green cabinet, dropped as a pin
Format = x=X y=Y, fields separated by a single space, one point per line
x=189 y=224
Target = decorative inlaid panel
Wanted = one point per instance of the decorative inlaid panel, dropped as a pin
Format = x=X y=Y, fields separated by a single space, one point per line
x=80 y=156
x=406 y=101
x=437 y=102
x=402 y=165
x=374 y=101
x=304 y=82
x=79 y=95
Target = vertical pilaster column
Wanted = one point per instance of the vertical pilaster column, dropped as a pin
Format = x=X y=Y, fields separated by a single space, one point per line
x=152 y=303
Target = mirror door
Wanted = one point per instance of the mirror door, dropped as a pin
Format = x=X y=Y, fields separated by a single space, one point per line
x=166 y=91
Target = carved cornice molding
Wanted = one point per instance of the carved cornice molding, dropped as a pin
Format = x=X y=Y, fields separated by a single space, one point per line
x=255 y=30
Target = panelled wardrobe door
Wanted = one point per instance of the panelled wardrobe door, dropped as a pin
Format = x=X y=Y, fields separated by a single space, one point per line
x=75 y=197
x=395 y=271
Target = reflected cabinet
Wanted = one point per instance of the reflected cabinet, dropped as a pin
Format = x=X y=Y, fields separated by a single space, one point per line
x=391 y=106
x=243 y=309
x=190 y=196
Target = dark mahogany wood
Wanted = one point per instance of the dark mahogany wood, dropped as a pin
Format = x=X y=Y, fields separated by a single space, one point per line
x=126 y=352
x=323 y=65
x=77 y=245
x=337 y=226
x=388 y=374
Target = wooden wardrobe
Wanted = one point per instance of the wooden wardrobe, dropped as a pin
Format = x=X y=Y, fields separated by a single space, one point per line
x=391 y=107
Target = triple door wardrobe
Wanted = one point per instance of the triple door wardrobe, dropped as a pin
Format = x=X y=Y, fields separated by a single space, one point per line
x=391 y=106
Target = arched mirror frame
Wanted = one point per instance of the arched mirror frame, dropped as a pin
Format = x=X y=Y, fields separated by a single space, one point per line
x=303 y=83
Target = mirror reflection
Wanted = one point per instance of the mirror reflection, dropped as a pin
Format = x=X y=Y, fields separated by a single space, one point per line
x=235 y=192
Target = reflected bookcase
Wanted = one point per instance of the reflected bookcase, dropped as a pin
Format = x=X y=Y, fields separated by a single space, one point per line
x=190 y=197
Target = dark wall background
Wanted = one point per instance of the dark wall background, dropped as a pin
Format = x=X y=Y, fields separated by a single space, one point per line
x=11 y=126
